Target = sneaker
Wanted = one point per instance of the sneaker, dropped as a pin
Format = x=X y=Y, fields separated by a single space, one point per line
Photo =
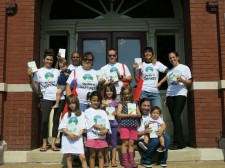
x=163 y=164
x=143 y=145
x=146 y=165
x=161 y=149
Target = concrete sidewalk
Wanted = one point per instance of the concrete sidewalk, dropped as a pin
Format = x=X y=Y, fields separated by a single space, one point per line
x=205 y=164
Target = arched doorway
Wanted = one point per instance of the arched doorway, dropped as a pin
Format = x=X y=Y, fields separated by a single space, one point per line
x=77 y=24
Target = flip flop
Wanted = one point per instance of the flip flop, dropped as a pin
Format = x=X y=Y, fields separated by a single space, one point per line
x=114 y=165
x=43 y=149
x=55 y=149
x=106 y=165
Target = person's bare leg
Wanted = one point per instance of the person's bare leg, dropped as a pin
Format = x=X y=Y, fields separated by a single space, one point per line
x=58 y=96
x=69 y=160
x=83 y=160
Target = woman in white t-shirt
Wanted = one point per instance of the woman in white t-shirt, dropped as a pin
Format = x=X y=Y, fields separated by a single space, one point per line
x=177 y=78
x=44 y=81
x=149 y=76
x=85 y=79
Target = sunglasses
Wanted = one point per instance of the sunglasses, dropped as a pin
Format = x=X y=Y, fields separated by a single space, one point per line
x=112 y=55
x=86 y=59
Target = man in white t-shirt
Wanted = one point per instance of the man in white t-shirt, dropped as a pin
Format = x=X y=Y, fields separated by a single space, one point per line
x=114 y=66
x=76 y=61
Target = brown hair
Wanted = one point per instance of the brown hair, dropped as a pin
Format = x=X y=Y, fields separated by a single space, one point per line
x=150 y=49
x=64 y=62
x=73 y=99
x=126 y=87
x=49 y=52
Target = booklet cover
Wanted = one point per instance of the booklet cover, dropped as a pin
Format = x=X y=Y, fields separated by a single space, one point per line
x=62 y=53
x=101 y=75
x=114 y=76
x=139 y=62
x=131 y=108
x=32 y=65
x=110 y=110
x=154 y=127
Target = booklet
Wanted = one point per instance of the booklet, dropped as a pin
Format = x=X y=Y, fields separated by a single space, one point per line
x=32 y=65
x=101 y=75
x=139 y=62
x=110 y=110
x=62 y=53
x=131 y=108
x=154 y=127
x=114 y=76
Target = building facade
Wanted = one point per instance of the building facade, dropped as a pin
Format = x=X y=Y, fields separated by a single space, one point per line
x=195 y=29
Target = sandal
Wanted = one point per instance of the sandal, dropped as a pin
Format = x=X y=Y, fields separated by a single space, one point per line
x=55 y=149
x=43 y=149
x=113 y=164
x=106 y=165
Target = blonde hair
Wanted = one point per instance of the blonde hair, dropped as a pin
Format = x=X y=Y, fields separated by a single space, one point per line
x=64 y=62
x=130 y=89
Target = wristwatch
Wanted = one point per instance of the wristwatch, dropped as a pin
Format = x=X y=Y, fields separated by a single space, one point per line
x=121 y=77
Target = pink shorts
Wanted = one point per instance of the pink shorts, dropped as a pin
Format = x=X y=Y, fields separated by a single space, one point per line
x=96 y=143
x=128 y=133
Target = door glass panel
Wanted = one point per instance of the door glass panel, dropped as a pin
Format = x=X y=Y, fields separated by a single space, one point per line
x=98 y=48
x=128 y=49
x=56 y=42
x=165 y=44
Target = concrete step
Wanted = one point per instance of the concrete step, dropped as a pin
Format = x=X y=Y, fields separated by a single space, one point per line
x=186 y=154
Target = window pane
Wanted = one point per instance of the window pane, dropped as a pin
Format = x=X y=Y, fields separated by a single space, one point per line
x=98 y=48
x=128 y=49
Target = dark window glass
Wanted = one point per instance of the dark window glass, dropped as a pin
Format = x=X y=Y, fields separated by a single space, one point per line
x=165 y=44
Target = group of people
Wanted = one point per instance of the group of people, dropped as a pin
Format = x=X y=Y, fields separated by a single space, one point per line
x=98 y=108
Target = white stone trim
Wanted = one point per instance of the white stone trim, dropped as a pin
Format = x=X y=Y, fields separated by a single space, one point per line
x=211 y=85
x=19 y=88
x=3 y=87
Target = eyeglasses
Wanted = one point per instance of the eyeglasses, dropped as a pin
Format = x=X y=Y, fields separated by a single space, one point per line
x=86 y=59
x=112 y=55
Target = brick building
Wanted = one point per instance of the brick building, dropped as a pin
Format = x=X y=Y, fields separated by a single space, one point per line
x=196 y=29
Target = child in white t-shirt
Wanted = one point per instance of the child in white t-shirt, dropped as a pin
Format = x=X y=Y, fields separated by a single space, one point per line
x=97 y=128
x=72 y=125
x=161 y=126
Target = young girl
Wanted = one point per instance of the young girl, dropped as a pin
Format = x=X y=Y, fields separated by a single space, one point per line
x=109 y=103
x=97 y=128
x=128 y=112
x=72 y=126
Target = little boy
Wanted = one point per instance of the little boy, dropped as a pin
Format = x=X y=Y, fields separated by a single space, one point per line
x=64 y=74
x=155 y=118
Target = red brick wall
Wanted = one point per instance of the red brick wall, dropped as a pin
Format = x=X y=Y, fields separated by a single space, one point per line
x=21 y=116
x=206 y=118
x=2 y=60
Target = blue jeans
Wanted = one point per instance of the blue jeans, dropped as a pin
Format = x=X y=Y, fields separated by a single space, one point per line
x=153 y=144
x=153 y=97
x=83 y=106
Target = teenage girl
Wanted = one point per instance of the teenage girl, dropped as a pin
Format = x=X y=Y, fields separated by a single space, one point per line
x=72 y=125
x=128 y=125
x=111 y=102
x=97 y=127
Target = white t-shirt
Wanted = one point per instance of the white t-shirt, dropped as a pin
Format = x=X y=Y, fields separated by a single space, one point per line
x=147 y=119
x=86 y=81
x=73 y=124
x=174 y=87
x=96 y=116
x=109 y=68
x=72 y=67
x=47 y=78
x=150 y=75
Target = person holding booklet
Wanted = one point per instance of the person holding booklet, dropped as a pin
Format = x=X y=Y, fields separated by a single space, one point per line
x=73 y=125
x=128 y=112
x=97 y=128
x=115 y=72
x=44 y=81
x=157 y=126
x=109 y=104
x=147 y=77
x=153 y=143
x=64 y=74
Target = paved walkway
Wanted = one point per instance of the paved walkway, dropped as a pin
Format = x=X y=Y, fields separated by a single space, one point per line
x=205 y=164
